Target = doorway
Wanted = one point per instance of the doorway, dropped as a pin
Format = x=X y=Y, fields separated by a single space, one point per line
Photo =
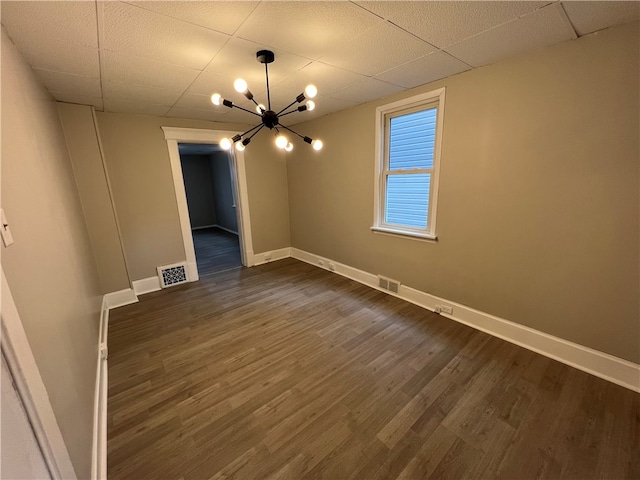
x=209 y=183
x=176 y=135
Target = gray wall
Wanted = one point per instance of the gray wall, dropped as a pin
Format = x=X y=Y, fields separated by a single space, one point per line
x=196 y=173
x=538 y=218
x=139 y=170
x=207 y=180
x=83 y=144
x=50 y=268
x=223 y=191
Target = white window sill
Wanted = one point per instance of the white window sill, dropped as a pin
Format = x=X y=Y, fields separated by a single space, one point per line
x=403 y=233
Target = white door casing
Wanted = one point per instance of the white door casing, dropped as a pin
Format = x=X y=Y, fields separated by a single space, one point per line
x=25 y=373
x=20 y=454
x=174 y=136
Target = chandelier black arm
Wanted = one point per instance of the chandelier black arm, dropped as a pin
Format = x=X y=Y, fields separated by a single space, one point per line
x=299 y=109
x=295 y=133
x=248 y=111
x=291 y=104
x=253 y=128
x=254 y=133
x=257 y=104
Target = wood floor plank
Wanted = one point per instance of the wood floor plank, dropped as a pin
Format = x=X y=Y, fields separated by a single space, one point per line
x=287 y=371
x=216 y=250
x=425 y=461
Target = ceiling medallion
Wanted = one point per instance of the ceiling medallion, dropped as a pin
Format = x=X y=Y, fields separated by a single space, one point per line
x=269 y=118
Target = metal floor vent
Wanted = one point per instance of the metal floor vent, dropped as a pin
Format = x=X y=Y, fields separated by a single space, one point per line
x=388 y=284
x=171 y=275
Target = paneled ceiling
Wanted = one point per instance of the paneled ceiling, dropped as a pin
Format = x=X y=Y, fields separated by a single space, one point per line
x=167 y=58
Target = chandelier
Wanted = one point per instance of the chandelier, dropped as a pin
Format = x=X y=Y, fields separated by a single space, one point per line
x=268 y=117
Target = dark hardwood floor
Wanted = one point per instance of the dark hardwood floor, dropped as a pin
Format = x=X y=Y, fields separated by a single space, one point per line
x=216 y=250
x=288 y=371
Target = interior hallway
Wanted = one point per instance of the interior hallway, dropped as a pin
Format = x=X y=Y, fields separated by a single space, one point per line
x=216 y=250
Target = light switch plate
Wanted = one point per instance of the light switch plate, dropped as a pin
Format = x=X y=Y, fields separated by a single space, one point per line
x=7 y=238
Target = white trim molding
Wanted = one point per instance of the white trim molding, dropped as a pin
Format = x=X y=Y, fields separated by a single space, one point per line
x=30 y=386
x=228 y=230
x=614 y=369
x=384 y=113
x=215 y=225
x=121 y=298
x=173 y=136
x=99 y=446
x=147 y=285
x=192 y=272
x=272 y=256
x=202 y=227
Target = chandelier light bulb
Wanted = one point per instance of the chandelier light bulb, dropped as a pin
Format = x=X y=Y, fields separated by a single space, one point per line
x=240 y=85
x=239 y=146
x=225 y=144
x=311 y=105
x=289 y=147
x=281 y=141
x=216 y=99
x=261 y=109
x=310 y=91
x=317 y=144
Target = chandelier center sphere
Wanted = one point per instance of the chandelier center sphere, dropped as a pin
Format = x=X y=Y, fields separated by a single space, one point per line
x=270 y=119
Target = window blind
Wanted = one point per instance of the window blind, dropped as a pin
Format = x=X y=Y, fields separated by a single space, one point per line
x=408 y=199
x=411 y=147
x=412 y=140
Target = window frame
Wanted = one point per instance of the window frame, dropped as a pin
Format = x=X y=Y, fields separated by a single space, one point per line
x=384 y=114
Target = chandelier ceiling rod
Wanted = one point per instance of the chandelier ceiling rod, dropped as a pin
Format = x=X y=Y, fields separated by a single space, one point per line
x=266 y=73
x=270 y=119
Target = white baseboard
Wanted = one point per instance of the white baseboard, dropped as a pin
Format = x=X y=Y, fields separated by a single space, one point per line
x=600 y=364
x=99 y=446
x=152 y=284
x=226 y=229
x=272 y=256
x=202 y=227
x=120 y=298
x=192 y=272
x=146 y=285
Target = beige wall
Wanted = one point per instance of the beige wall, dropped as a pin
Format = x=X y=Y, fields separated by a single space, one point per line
x=223 y=191
x=268 y=195
x=84 y=150
x=50 y=267
x=139 y=170
x=196 y=174
x=539 y=193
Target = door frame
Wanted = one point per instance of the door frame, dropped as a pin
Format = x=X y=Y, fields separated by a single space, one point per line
x=31 y=389
x=174 y=136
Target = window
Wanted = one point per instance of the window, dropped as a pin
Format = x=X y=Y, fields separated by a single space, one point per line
x=408 y=139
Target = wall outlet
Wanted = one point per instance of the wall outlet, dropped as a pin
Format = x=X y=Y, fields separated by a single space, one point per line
x=104 y=351
x=332 y=267
x=446 y=309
